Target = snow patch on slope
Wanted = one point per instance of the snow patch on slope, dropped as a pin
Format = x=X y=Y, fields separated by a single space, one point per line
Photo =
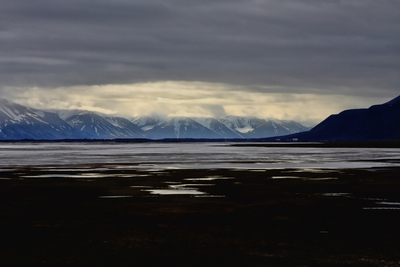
x=10 y=113
x=244 y=129
x=149 y=127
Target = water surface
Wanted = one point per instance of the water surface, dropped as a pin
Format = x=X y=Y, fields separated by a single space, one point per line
x=160 y=156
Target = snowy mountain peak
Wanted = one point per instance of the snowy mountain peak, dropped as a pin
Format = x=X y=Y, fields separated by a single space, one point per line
x=16 y=113
x=104 y=127
x=20 y=122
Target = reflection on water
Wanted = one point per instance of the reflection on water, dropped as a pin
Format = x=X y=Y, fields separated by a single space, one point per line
x=178 y=186
x=174 y=192
x=179 y=189
x=212 y=178
x=286 y=177
x=389 y=203
x=384 y=205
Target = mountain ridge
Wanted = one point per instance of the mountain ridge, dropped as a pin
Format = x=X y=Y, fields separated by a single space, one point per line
x=18 y=122
x=232 y=127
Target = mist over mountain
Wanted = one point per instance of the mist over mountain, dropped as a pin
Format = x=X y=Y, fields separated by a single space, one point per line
x=184 y=127
x=19 y=122
x=229 y=127
x=180 y=127
x=252 y=127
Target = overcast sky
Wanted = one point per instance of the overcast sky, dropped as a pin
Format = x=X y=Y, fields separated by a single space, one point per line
x=300 y=59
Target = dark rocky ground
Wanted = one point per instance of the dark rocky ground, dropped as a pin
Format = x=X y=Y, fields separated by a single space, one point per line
x=252 y=219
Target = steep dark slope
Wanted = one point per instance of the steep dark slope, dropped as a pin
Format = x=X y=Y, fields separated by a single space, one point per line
x=379 y=122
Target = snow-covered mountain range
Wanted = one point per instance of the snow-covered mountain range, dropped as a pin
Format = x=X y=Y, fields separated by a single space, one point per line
x=19 y=122
x=228 y=127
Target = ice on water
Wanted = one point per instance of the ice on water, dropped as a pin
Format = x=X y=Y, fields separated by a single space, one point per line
x=194 y=156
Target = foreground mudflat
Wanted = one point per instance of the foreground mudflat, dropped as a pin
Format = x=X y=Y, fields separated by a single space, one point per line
x=121 y=215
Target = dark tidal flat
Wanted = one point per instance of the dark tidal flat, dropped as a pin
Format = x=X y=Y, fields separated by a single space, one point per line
x=221 y=217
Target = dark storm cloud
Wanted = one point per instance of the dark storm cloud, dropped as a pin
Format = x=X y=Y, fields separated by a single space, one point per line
x=350 y=47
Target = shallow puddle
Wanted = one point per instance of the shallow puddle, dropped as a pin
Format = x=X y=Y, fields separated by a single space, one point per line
x=286 y=177
x=186 y=186
x=174 y=192
x=389 y=203
x=212 y=178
